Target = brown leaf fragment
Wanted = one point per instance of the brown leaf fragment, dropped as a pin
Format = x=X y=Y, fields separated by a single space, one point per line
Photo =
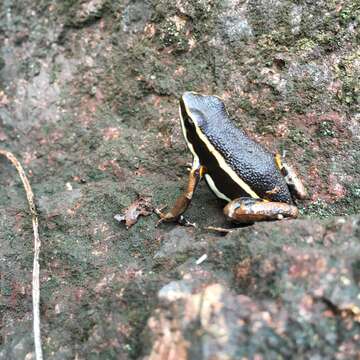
x=140 y=207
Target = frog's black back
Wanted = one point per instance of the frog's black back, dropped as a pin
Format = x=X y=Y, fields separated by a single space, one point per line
x=253 y=164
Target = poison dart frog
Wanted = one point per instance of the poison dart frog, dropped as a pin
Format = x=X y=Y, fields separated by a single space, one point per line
x=257 y=184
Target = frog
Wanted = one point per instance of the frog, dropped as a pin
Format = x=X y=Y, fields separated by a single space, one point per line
x=256 y=184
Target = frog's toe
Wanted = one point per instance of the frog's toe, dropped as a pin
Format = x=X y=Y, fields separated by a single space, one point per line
x=165 y=217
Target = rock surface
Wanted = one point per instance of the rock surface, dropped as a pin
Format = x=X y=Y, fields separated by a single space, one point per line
x=88 y=103
x=284 y=301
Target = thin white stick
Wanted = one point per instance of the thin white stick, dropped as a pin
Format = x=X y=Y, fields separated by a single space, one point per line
x=37 y=244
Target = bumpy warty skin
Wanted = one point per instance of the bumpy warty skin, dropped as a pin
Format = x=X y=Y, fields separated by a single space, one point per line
x=251 y=162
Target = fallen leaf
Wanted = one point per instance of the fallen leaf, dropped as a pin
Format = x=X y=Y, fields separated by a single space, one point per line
x=140 y=207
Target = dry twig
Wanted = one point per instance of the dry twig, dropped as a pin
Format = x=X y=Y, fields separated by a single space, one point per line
x=219 y=229
x=37 y=243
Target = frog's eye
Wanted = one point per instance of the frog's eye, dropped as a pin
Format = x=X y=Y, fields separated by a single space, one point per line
x=190 y=120
x=197 y=117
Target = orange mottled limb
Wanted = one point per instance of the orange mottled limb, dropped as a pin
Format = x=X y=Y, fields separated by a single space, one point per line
x=184 y=200
x=249 y=210
x=292 y=178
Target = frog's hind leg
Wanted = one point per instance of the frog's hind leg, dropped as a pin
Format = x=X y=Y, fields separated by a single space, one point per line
x=184 y=200
x=246 y=210
x=292 y=179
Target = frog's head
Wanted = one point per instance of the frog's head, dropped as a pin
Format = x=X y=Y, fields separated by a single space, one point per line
x=198 y=112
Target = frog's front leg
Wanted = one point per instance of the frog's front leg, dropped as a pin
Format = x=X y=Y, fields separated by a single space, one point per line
x=248 y=210
x=184 y=200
